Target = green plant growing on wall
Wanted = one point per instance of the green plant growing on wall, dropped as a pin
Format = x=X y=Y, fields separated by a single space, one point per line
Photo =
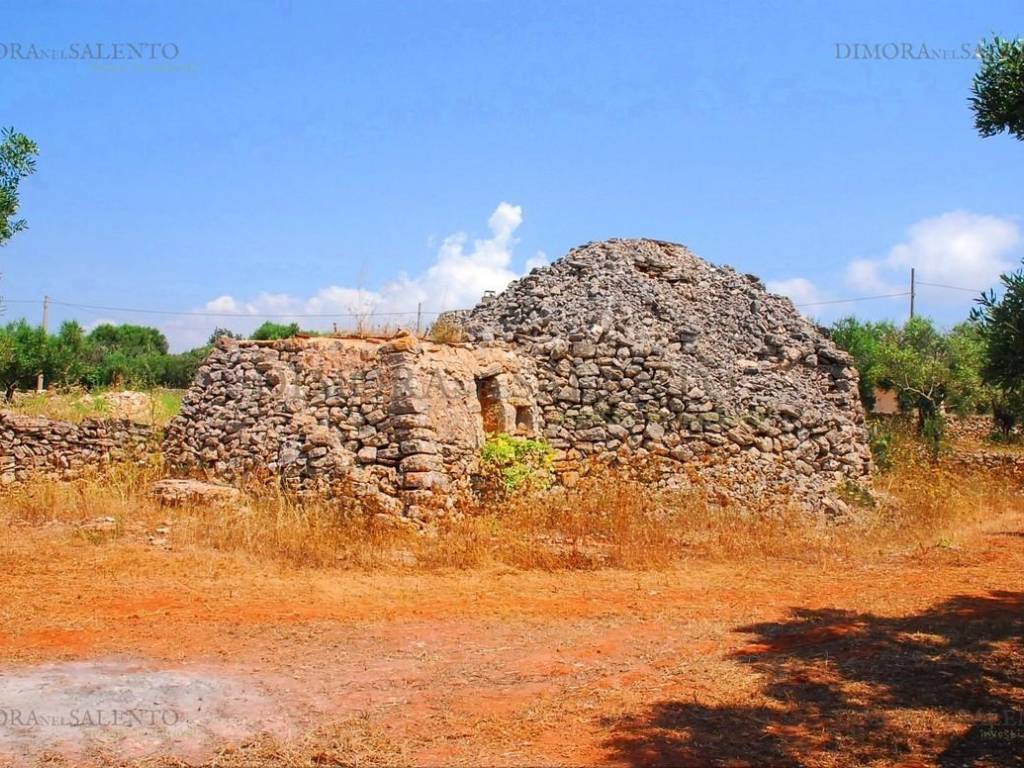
x=517 y=463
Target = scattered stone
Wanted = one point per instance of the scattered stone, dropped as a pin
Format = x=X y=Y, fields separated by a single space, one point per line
x=173 y=492
x=100 y=524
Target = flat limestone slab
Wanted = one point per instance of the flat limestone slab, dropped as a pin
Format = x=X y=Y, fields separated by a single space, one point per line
x=173 y=491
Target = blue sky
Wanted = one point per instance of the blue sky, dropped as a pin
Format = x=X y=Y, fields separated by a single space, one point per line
x=298 y=157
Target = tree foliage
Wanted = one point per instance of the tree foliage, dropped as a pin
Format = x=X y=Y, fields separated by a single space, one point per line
x=24 y=352
x=1001 y=321
x=223 y=333
x=965 y=353
x=270 y=330
x=17 y=160
x=131 y=340
x=863 y=340
x=997 y=93
x=121 y=355
x=129 y=355
x=930 y=371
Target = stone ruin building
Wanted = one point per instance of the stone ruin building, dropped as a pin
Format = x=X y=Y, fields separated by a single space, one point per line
x=397 y=422
x=626 y=351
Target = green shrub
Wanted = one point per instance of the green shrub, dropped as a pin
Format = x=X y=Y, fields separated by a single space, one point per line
x=856 y=495
x=273 y=331
x=510 y=464
x=179 y=370
x=933 y=432
x=880 y=439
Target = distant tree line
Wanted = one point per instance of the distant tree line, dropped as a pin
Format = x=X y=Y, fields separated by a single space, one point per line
x=975 y=367
x=110 y=355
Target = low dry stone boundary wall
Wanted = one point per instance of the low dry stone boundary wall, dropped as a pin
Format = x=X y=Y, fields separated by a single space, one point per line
x=989 y=460
x=976 y=428
x=33 y=447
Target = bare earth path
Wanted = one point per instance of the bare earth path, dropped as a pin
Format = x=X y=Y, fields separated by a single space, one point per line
x=910 y=660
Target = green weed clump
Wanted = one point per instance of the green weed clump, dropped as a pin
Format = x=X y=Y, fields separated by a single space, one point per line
x=517 y=463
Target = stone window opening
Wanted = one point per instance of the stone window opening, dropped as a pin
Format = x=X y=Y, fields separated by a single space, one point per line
x=492 y=410
x=524 y=419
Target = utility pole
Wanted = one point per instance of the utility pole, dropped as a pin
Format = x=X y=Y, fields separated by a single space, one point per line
x=913 y=292
x=40 y=384
x=419 y=317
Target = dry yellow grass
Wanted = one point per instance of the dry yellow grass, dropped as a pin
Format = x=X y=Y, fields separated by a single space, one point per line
x=446 y=331
x=606 y=521
x=155 y=406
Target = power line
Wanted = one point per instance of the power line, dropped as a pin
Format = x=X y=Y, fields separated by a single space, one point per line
x=891 y=295
x=353 y=315
x=950 y=287
x=859 y=298
x=409 y=313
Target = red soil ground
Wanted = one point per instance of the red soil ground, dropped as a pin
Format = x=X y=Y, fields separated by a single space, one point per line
x=911 y=660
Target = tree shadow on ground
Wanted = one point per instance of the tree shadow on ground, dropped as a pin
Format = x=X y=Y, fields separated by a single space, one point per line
x=943 y=687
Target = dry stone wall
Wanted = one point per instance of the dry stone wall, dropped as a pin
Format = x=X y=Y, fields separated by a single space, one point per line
x=643 y=349
x=33 y=447
x=975 y=428
x=632 y=352
x=988 y=460
x=398 y=423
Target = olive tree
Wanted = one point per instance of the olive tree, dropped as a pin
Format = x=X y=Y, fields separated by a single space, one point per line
x=931 y=371
x=997 y=93
x=1001 y=320
x=17 y=160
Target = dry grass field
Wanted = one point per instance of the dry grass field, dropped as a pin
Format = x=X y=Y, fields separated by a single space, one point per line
x=607 y=626
x=154 y=406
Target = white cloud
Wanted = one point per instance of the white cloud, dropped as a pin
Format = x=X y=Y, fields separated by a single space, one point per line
x=539 y=259
x=461 y=272
x=866 y=275
x=799 y=289
x=958 y=248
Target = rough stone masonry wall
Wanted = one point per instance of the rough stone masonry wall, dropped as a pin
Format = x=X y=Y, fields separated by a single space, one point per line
x=33 y=447
x=621 y=351
x=974 y=428
x=643 y=349
x=398 y=423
